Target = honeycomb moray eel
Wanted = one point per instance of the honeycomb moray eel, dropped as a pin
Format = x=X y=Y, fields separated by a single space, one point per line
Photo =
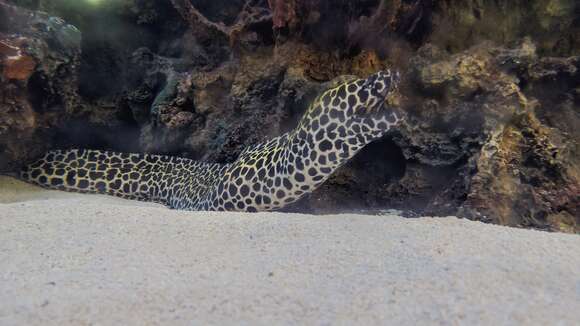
x=267 y=176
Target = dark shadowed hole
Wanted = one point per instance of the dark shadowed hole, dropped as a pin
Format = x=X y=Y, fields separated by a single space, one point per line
x=266 y=32
x=38 y=93
x=81 y=134
x=225 y=11
x=379 y=162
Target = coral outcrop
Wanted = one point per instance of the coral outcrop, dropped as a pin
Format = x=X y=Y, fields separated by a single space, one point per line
x=485 y=114
x=491 y=89
x=39 y=59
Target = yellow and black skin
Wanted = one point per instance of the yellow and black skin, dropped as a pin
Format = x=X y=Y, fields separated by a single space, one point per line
x=268 y=176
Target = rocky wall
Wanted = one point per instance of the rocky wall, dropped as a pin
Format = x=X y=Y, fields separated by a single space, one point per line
x=491 y=89
x=39 y=61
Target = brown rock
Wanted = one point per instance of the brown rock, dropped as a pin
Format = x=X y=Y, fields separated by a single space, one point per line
x=16 y=65
x=38 y=82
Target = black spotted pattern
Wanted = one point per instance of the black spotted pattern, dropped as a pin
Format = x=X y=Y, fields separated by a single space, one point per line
x=266 y=176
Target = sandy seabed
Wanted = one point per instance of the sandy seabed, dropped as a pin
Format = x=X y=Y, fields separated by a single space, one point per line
x=70 y=259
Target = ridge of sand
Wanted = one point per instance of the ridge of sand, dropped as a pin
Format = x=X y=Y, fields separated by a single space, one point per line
x=69 y=259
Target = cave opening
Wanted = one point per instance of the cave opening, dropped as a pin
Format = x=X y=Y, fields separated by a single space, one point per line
x=39 y=93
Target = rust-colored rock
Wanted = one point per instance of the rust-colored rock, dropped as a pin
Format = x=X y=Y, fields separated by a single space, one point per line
x=16 y=65
x=39 y=57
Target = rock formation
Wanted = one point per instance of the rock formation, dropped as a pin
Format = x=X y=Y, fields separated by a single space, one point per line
x=492 y=89
x=39 y=59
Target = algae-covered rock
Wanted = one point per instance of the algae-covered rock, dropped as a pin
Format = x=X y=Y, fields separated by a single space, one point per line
x=39 y=60
x=552 y=24
x=491 y=89
x=493 y=121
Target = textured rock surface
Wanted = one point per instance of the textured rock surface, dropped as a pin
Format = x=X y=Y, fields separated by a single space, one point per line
x=485 y=114
x=493 y=115
x=39 y=58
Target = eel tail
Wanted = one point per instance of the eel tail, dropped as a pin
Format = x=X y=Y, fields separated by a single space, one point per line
x=92 y=171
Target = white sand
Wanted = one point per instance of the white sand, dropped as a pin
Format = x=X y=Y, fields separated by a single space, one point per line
x=70 y=259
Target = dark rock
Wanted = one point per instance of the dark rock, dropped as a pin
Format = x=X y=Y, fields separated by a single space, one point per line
x=39 y=60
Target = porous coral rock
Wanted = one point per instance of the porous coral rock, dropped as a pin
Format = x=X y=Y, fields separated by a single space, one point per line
x=39 y=59
x=512 y=167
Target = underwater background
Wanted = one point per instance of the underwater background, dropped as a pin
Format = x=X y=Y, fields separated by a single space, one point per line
x=491 y=88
